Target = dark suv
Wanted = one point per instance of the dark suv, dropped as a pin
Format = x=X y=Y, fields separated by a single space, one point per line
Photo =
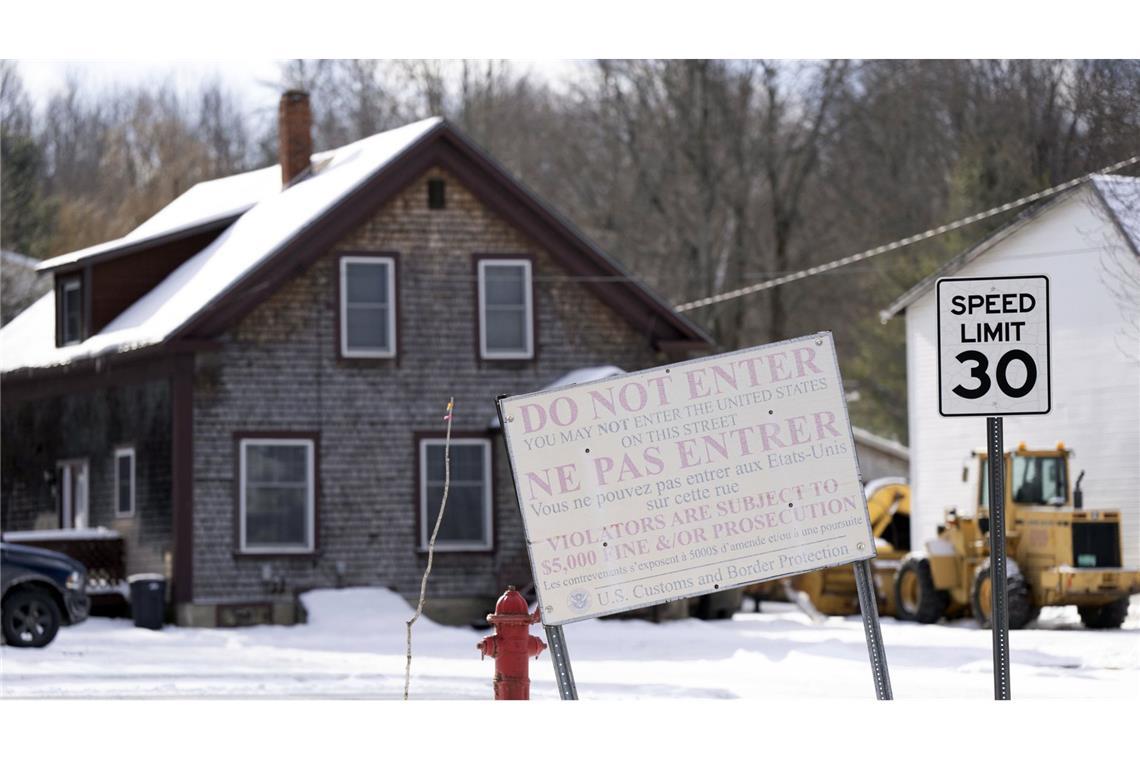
x=42 y=590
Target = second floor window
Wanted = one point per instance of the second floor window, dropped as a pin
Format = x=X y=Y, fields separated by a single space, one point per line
x=506 y=311
x=124 y=481
x=368 y=306
x=69 y=310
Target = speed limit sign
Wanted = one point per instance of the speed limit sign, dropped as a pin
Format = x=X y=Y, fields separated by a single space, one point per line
x=993 y=346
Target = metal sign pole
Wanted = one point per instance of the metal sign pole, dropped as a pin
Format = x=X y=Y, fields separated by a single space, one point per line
x=999 y=617
x=870 y=609
x=562 y=672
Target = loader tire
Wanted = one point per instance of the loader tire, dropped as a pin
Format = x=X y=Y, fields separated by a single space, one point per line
x=1103 y=616
x=1018 y=600
x=916 y=598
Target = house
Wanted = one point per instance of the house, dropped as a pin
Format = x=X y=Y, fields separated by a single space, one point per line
x=250 y=386
x=1087 y=241
x=879 y=457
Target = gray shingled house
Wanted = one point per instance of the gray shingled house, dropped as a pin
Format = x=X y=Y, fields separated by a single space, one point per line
x=249 y=387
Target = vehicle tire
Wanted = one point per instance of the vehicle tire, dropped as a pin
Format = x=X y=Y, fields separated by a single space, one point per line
x=30 y=618
x=916 y=598
x=1018 y=599
x=1109 y=615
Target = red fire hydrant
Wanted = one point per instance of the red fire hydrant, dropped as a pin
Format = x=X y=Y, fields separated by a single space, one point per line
x=511 y=645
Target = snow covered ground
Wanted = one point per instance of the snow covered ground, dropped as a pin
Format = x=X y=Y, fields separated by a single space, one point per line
x=354 y=647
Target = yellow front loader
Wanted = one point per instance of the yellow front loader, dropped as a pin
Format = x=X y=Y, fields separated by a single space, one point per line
x=831 y=591
x=1059 y=552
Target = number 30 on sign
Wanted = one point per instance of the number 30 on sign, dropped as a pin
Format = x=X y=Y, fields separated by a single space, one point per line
x=993 y=346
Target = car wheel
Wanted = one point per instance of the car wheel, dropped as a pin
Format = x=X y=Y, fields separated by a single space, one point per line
x=30 y=618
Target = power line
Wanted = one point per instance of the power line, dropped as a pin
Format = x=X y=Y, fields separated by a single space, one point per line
x=904 y=242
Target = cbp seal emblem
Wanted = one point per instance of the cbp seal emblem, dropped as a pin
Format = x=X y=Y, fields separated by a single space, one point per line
x=579 y=600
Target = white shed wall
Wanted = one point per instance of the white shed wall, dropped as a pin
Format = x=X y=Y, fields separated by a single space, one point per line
x=1096 y=373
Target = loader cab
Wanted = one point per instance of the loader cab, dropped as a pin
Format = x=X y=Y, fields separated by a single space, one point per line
x=1033 y=478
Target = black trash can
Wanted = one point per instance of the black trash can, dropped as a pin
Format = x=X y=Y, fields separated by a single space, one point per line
x=148 y=600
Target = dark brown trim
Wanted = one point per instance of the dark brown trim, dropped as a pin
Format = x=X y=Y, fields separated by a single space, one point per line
x=478 y=321
x=90 y=373
x=417 y=489
x=337 y=296
x=146 y=244
x=284 y=435
x=182 y=478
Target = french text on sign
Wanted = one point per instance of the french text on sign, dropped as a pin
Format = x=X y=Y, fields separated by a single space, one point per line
x=687 y=479
x=993 y=346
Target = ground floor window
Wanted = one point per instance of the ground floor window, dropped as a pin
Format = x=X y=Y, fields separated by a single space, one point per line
x=467 y=519
x=124 y=481
x=72 y=493
x=277 y=495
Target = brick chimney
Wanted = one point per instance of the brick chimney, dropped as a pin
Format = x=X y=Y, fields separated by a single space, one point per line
x=294 y=134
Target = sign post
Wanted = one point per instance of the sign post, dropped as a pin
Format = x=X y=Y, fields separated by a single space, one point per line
x=869 y=607
x=689 y=479
x=993 y=360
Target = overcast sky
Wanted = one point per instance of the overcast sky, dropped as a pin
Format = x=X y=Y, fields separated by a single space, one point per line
x=253 y=79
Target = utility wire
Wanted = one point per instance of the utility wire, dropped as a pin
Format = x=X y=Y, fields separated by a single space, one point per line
x=904 y=242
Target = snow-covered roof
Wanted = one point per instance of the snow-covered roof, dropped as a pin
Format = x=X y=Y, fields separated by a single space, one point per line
x=274 y=217
x=574 y=377
x=206 y=202
x=61 y=534
x=885 y=445
x=1120 y=196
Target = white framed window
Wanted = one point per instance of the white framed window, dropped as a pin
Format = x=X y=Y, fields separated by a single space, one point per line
x=125 y=481
x=70 y=311
x=506 y=311
x=277 y=495
x=368 y=306
x=467 y=520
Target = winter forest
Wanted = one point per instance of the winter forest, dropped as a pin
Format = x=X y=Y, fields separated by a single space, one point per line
x=698 y=176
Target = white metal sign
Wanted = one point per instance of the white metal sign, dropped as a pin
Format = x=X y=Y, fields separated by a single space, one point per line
x=993 y=346
x=687 y=479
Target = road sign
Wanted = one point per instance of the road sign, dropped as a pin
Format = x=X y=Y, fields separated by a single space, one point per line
x=687 y=479
x=993 y=346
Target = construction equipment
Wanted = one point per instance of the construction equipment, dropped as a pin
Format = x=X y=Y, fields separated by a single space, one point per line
x=832 y=591
x=1059 y=553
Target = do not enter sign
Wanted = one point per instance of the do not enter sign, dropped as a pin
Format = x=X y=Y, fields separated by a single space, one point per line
x=993 y=346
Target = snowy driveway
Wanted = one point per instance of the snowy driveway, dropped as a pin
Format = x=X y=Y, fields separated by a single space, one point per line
x=354 y=647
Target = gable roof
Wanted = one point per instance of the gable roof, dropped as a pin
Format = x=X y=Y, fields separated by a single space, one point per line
x=1119 y=195
x=272 y=234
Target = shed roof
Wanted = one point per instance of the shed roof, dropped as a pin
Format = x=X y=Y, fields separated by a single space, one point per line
x=1119 y=195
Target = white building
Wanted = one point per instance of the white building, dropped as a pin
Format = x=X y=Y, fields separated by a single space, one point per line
x=1087 y=241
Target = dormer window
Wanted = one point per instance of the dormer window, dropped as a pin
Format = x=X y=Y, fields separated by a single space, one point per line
x=69 y=310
